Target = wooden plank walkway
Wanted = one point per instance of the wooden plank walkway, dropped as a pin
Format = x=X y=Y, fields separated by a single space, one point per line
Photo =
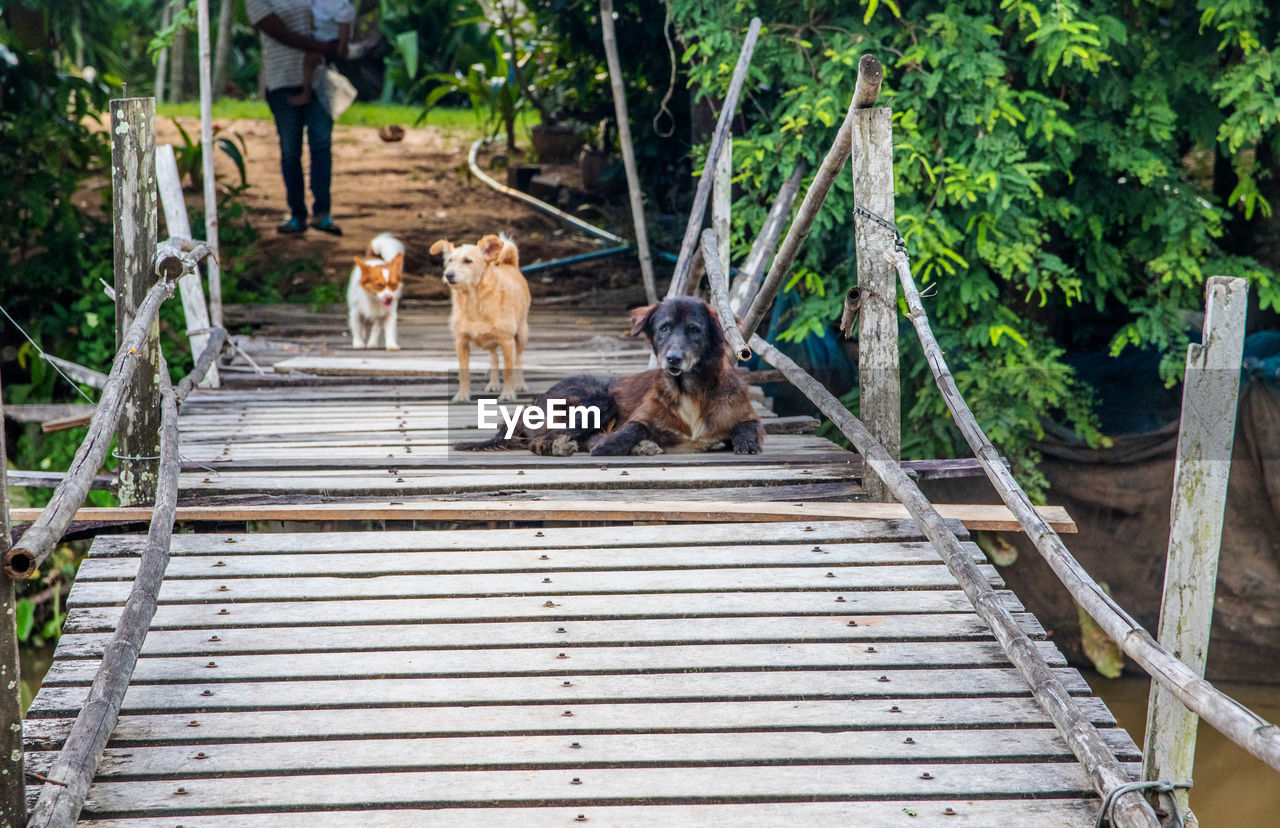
x=808 y=672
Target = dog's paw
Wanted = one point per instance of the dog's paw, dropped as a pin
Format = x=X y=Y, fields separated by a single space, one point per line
x=564 y=446
x=646 y=448
x=747 y=447
x=507 y=396
x=461 y=396
x=493 y=385
x=393 y=347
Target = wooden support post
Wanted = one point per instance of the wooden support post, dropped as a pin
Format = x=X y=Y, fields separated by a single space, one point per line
x=133 y=205
x=13 y=785
x=628 y=150
x=722 y=203
x=1205 y=439
x=206 y=157
x=179 y=226
x=878 y=385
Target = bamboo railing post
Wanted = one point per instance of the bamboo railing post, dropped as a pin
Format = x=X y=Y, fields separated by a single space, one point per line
x=177 y=223
x=766 y=243
x=133 y=207
x=865 y=92
x=1205 y=439
x=722 y=203
x=62 y=798
x=1230 y=718
x=628 y=150
x=206 y=158
x=13 y=785
x=879 y=394
x=684 y=262
x=719 y=283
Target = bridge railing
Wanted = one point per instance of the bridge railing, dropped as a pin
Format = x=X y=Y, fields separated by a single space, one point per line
x=136 y=389
x=881 y=248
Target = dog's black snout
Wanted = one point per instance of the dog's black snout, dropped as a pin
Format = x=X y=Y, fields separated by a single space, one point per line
x=450 y=278
x=674 y=358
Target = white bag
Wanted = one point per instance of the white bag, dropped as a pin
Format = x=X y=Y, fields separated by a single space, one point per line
x=334 y=91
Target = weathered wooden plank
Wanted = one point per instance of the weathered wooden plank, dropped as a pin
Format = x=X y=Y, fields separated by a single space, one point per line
x=231 y=565
x=357 y=638
x=1206 y=437
x=618 y=786
x=535 y=583
x=895 y=813
x=395 y=611
x=46 y=730
x=735 y=686
x=604 y=750
x=973 y=516
x=414 y=481
x=542 y=539
x=563 y=660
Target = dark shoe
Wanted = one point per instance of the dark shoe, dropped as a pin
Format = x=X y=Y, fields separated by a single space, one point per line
x=293 y=227
x=325 y=225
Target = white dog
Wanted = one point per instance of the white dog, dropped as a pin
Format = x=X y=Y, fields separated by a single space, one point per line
x=373 y=293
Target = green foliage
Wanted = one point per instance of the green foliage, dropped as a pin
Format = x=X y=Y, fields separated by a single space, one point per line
x=489 y=88
x=426 y=38
x=1041 y=176
x=190 y=155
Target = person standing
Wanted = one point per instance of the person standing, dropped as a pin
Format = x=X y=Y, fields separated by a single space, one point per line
x=284 y=28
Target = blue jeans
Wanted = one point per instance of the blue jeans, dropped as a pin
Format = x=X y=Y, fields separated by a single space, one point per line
x=290 y=121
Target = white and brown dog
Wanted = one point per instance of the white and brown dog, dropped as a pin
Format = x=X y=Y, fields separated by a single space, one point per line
x=373 y=292
x=490 y=309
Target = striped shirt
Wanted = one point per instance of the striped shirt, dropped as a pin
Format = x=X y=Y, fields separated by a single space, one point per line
x=281 y=64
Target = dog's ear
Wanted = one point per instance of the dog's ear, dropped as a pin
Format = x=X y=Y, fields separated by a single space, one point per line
x=396 y=264
x=641 y=319
x=490 y=247
x=441 y=246
x=359 y=261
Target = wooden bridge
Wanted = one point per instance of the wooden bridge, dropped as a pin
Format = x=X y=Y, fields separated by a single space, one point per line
x=361 y=627
x=549 y=671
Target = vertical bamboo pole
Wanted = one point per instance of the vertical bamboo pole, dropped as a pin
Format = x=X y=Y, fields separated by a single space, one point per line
x=879 y=406
x=628 y=150
x=684 y=262
x=13 y=794
x=722 y=203
x=1205 y=439
x=762 y=249
x=162 y=58
x=222 y=47
x=178 y=58
x=133 y=209
x=206 y=156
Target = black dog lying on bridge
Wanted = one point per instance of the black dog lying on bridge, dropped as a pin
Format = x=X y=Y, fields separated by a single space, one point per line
x=693 y=401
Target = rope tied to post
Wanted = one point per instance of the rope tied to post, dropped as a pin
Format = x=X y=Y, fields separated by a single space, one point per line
x=1161 y=785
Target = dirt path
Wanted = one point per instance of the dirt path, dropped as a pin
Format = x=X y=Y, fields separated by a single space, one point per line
x=418 y=189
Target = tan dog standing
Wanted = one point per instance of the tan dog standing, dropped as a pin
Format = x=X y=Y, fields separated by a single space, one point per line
x=490 y=309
